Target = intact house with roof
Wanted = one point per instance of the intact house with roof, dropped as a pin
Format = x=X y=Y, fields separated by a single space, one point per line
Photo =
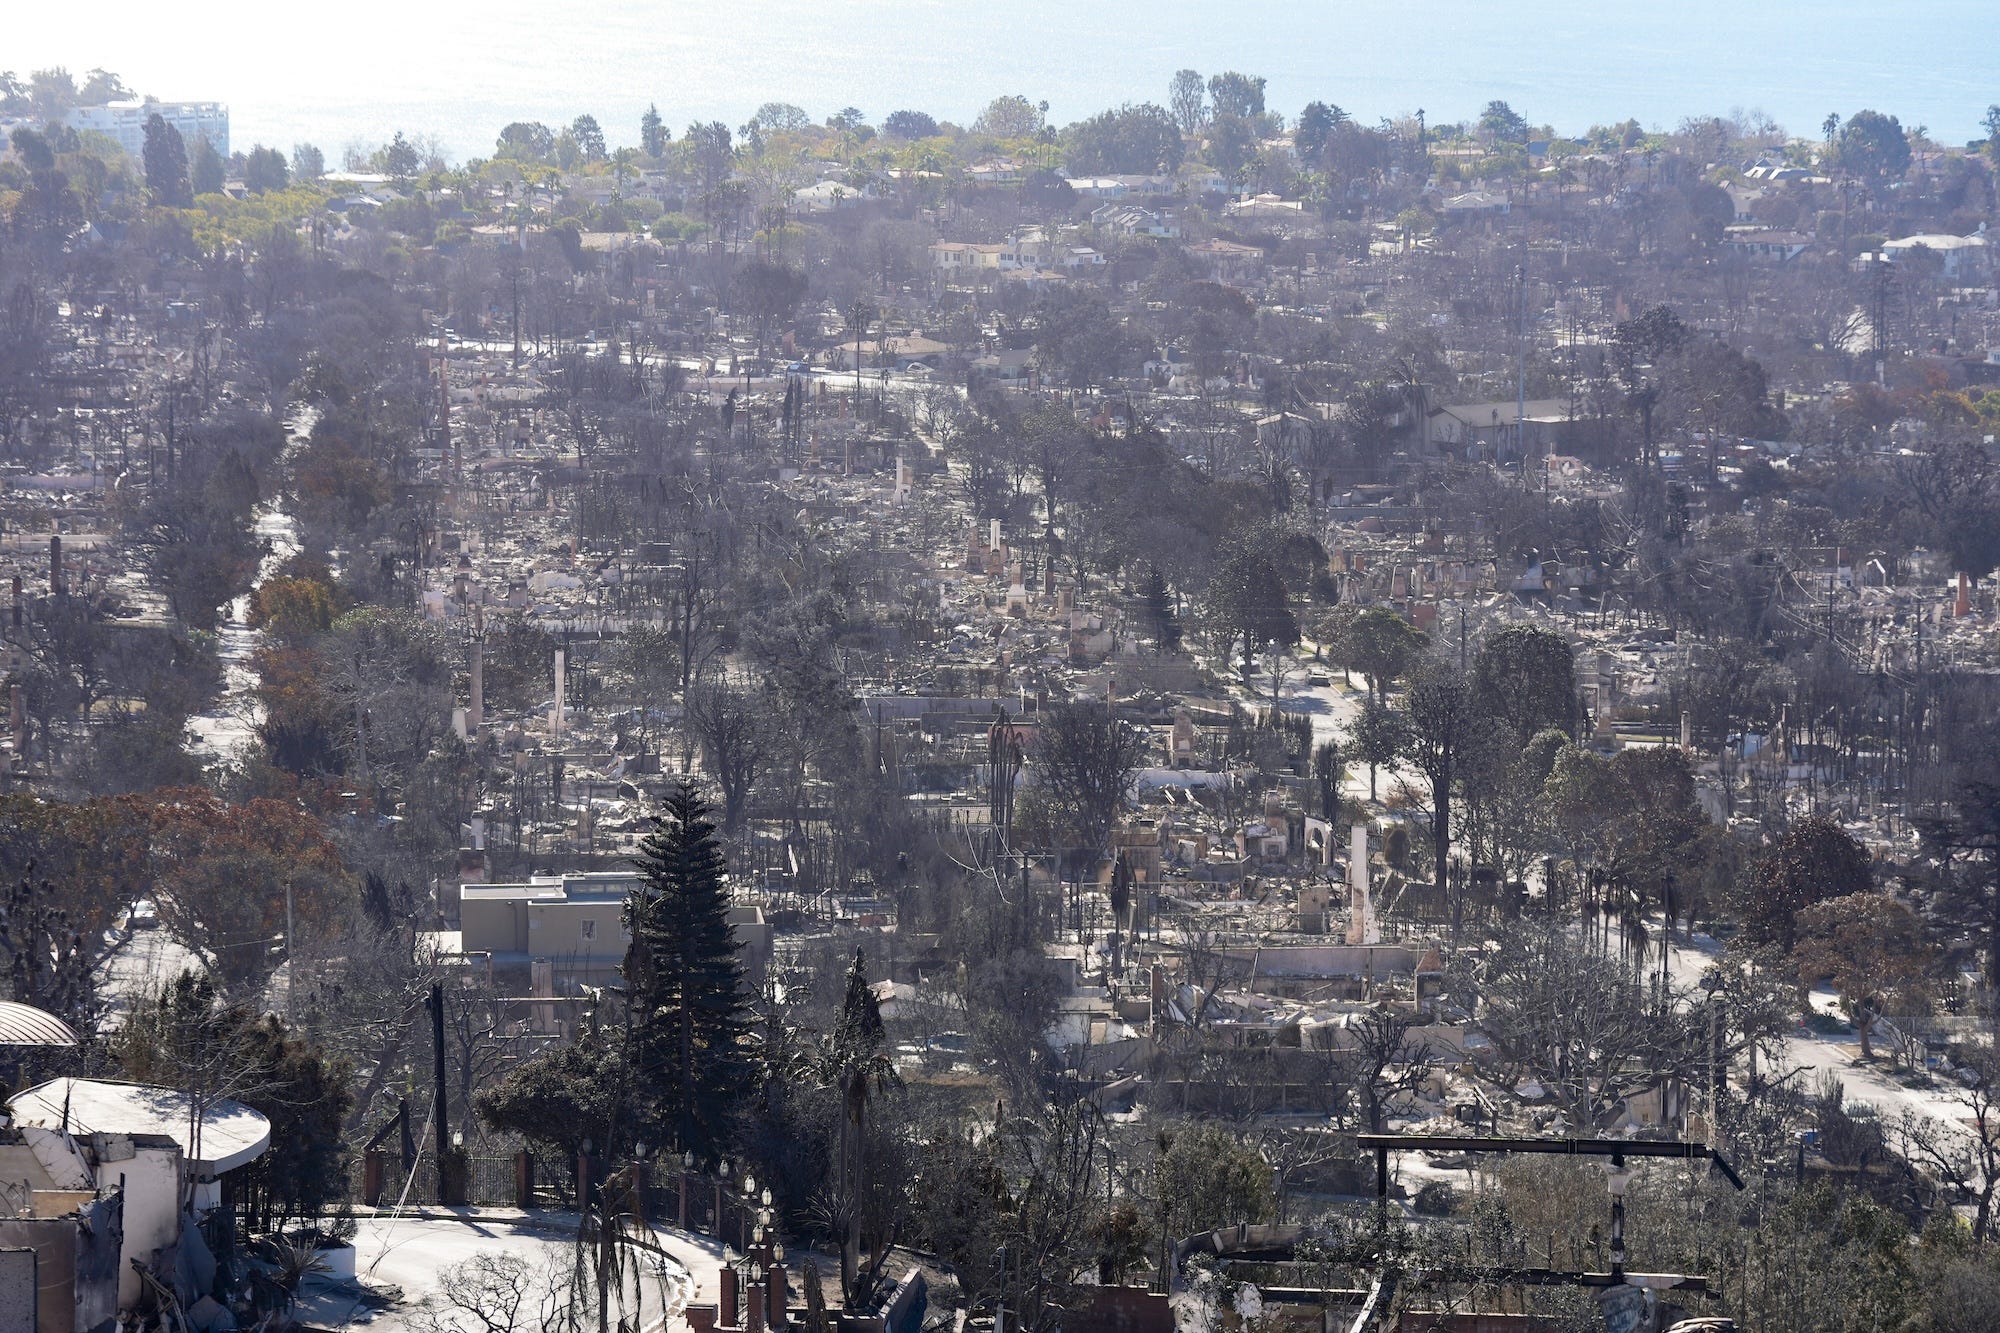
x=553 y=934
x=96 y=1175
x=1765 y=245
x=1502 y=430
x=1960 y=257
x=1132 y=220
x=967 y=259
x=1477 y=204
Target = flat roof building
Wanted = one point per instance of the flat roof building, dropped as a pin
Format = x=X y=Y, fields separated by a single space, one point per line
x=126 y=122
x=576 y=923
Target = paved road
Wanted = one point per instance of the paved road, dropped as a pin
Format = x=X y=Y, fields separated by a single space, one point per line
x=1811 y=1053
x=137 y=964
x=409 y=1252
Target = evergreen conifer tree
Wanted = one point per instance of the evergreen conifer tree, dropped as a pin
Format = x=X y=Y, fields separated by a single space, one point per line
x=166 y=161
x=207 y=172
x=653 y=132
x=693 y=1066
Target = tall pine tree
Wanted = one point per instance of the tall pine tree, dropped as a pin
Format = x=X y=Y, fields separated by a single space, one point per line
x=653 y=132
x=207 y=172
x=693 y=1064
x=166 y=160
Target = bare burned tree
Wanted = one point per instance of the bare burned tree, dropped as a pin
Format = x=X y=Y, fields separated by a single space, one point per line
x=1381 y=1060
x=1053 y=1155
x=1085 y=759
x=736 y=745
x=1964 y=1152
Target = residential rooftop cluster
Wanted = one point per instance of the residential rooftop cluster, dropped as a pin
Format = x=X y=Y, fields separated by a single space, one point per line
x=1197 y=719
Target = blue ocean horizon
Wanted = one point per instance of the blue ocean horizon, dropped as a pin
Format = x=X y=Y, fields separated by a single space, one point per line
x=357 y=74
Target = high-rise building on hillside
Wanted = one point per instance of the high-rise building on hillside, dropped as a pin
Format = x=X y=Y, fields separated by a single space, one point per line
x=126 y=122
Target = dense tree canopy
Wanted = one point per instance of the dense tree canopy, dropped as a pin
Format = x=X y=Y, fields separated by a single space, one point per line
x=1132 y=139
x=1814 y=860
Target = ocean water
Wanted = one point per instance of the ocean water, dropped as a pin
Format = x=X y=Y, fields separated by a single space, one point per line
x=357 y=71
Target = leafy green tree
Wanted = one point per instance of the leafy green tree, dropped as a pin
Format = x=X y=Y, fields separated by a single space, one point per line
x=712 y=154
x=909 y=126
x=187 y=1037
x=1874 y=147
x=589 y=137
x=51 y=92
x=770 y=292
x=653 y=132
x=1247 y=601
x=525 y=141
x=1382 y=646
x=558 y=1099
x=1316 y=125
x=206 y=169
x=306 y=1094
x=264 y=170
x=1870 y=947
x=1525 y=676
x=691 y=1058
x=1814 y=860
x=398 y=159
x=1080 y=340
x=1503 y=123
x=1011 y=117
x=1633 y=815
x=775 y=118
x=1187 y=97
x=1444 y=725
x=1209 y=1178
x=1328 y=769
x=193 y=535
x=32 y=147
x=1237 y=95
x=308 y=163
x=101 y=86
x=1136 y=140
x=1378 y=737
x=1232 y=147
x=166 y=162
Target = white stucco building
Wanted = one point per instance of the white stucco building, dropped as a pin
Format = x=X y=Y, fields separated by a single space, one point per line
x=126 y=122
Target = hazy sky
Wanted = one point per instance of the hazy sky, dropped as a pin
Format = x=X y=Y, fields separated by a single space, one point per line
x=366 y=67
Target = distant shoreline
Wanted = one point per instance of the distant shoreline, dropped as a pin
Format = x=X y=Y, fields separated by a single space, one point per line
x=1930 y=64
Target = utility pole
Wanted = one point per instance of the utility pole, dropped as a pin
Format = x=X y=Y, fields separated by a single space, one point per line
x=1521 y=372
x=440 y=1114
x=860 y=323
x=291 y=948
